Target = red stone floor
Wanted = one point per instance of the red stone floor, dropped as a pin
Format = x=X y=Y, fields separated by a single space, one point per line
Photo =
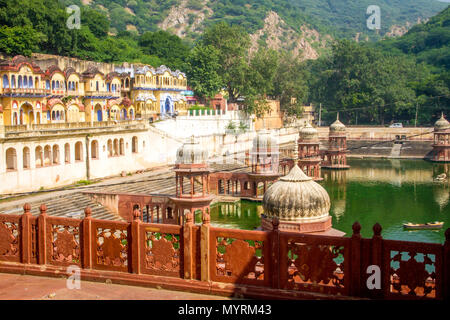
x=24 y=287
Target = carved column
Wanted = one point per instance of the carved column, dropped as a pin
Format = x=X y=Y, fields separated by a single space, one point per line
x=377 y=258
x=205 y=247
x=42 y=235
x=135 y=243
x=25 y=234
x=189 y=259
x=87 y=239
x=355 y=255
x=275 y=253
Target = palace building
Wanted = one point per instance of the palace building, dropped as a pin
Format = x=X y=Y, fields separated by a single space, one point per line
x=32 y=96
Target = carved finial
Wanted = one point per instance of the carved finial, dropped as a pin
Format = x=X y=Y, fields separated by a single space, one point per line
x=206 y=218
x=136 y=214
x=337 y=116
x=189 y=218
x=87 y=212
x=356 y=227
x=26 y=208
x=447 y=235
x=295 y=155
x=275 y=223
x=377 y=229
x=43 y=209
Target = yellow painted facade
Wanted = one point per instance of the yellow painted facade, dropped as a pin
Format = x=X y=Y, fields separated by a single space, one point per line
x=30 y=96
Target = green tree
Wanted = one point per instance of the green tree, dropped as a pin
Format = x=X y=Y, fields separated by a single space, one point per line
x=232 y=43
x=18 y=40
x=202 y=70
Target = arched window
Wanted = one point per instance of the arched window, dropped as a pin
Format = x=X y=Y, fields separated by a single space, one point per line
x=39 y=158
x=11 y=159
x=121 y=148
x=94 y=149
x=30 y=82
x=47 y=84
x=67 y=153
x=134 y=145
x=47 y=155
x=53 y=85
x=110 y=152
x=116 y=147
x=26 y=158
x=13 y=81
x=78 y=151
x=55 y=154
x=20 y=84
x=25 y=82
x=5 y=81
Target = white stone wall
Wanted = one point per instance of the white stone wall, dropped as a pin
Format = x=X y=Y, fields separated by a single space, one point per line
x=185 y=126
x=155 y=148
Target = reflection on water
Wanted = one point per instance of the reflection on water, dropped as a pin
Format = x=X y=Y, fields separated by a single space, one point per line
x=391 y=192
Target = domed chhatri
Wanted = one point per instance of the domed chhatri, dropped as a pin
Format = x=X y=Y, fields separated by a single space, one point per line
x=441 y=124
x=296 y=197
x=265 y=142
x=335 y=157
x=301 y=205
x=265 y=154
x=191 y=152
x=309 y=151
x=337 y=126
x=441 y=144
x=308 y=133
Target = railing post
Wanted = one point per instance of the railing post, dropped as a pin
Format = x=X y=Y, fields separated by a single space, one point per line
x=135 y=242
x=188 y=259
x=25 y=234
x=275 y=235
x=87 y=238
x=446 y=267
x=204 y=247
x=377 y=257
x=355 y=256
x=42 y=235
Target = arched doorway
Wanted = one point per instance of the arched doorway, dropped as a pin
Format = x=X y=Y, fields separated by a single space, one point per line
x=167 y=105
x=98 y=113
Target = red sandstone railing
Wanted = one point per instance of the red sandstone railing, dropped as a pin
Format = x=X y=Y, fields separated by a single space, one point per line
x=225 y=261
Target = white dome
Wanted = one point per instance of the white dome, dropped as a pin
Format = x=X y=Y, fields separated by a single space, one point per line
x=441 y=124
x=296 y=197
x=191 y=153
x=264 y=141
x=308 y=133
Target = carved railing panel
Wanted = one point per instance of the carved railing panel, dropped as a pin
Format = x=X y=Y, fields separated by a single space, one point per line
x=10 y=238
x=314 y=263
x=110 y=246
x=412 y=270
x=162 y=250
x=34 y=239
x=239 y=256
x=63 y=241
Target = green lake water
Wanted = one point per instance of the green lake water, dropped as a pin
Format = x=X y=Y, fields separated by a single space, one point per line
x=391 y=192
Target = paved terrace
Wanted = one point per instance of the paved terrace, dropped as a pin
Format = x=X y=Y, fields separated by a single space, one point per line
x=24 y=287
x=71 y=203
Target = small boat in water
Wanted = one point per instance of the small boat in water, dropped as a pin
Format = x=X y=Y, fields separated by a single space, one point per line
x=430 y=225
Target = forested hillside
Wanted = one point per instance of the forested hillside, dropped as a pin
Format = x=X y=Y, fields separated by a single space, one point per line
x=341 y=18
x=396 y=79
